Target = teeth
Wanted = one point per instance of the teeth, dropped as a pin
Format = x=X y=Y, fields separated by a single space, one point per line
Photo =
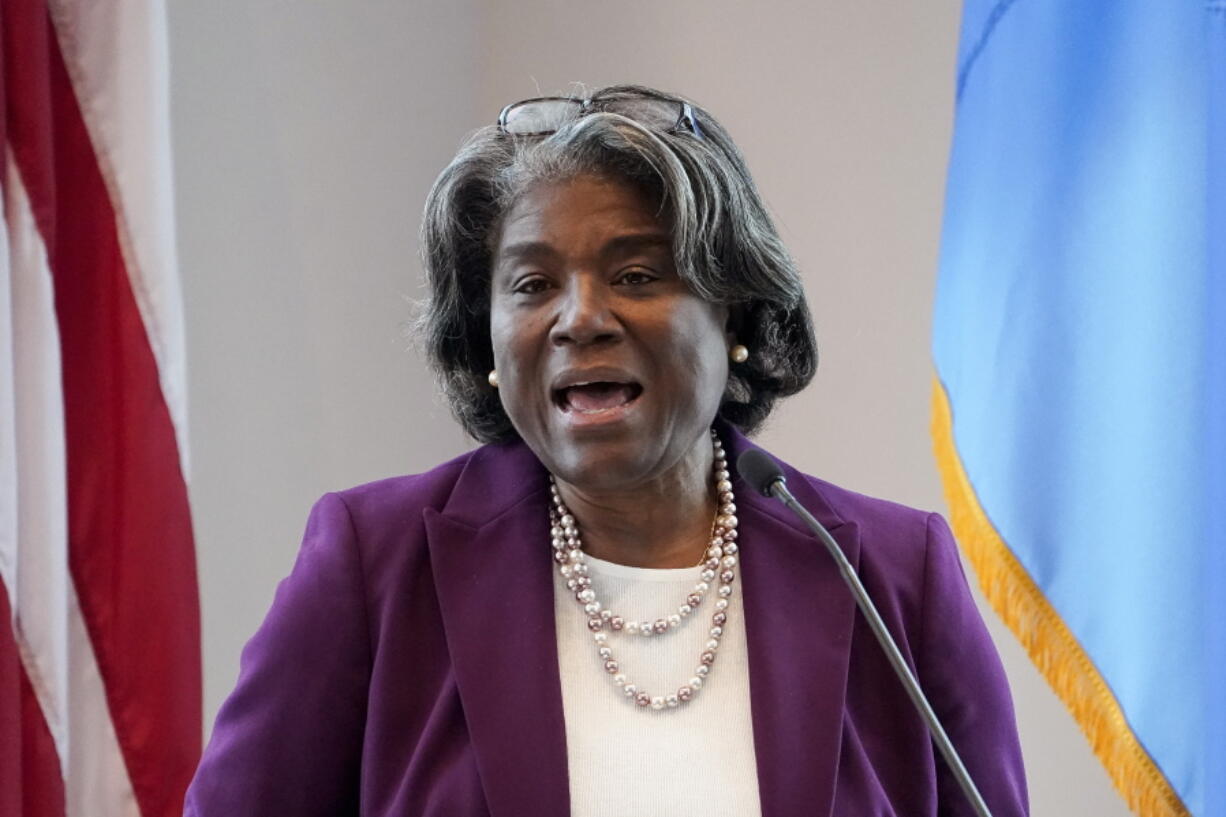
x=599 y=396
x=590 y=382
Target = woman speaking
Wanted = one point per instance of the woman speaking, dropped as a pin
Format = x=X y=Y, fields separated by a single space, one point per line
x=592 y=614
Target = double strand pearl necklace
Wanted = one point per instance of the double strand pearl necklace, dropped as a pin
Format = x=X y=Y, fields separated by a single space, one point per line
x=719 y=563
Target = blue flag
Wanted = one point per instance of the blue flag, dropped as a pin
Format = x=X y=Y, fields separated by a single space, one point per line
x=1080 y=348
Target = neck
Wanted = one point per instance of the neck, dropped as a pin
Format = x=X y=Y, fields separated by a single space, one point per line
x=664 y=522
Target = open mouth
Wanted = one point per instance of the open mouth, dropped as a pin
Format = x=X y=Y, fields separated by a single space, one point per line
x=596 y=397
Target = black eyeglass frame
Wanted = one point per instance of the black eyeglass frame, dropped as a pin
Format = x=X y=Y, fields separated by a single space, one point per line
x=685 y=114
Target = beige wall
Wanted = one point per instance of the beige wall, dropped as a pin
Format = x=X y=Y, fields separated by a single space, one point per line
x=307 y=134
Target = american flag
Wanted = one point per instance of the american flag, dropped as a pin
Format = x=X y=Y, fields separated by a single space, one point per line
x=99 y=612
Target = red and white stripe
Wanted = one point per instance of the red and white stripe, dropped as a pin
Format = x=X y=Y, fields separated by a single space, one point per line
x=99 y=615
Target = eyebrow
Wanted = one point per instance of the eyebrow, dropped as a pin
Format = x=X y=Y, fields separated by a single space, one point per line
x=525 y=250
x=625 y=244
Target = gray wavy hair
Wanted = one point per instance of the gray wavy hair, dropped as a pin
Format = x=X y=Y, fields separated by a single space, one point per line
x=726 y=248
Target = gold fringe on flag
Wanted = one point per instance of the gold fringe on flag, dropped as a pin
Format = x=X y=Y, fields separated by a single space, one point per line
x=1051 y=645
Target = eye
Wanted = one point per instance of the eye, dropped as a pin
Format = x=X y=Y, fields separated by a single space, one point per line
x=636 y=276
x=530 y=285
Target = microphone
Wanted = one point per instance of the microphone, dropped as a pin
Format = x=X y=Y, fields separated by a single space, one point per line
x=766 y=477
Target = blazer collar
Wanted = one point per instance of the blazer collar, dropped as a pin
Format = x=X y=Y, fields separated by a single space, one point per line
x=489 y=550
x=489 y=554
x=798 y=622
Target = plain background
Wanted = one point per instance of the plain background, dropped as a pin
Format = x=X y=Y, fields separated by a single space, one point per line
x=306 y=135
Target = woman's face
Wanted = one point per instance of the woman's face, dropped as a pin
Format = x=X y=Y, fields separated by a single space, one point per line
x=609 y=367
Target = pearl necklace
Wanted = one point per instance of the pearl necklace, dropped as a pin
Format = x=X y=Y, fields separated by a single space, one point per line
x=719 y=562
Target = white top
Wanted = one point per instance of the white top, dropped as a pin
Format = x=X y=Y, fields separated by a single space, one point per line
x=623 y=760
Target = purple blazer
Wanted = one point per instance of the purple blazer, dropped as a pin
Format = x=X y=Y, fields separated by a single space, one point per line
x=408 y=665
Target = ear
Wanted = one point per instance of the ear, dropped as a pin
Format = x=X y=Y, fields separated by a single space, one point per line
x=734 y=323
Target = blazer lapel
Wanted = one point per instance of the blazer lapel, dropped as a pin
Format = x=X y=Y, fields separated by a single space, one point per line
x=489 y=549
x=798 y=620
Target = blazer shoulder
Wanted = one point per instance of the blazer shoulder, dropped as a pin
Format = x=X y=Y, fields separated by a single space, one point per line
x=396 y=497
x=894 y=538
x=873 y=514
x=471 y=489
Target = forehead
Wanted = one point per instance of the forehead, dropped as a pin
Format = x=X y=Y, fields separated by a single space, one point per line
x=585 y=212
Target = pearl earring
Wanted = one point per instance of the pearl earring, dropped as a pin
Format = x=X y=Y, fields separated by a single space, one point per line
x=738 y=353
x=493 y=378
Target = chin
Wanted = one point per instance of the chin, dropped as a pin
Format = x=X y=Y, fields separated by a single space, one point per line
x=598 y=464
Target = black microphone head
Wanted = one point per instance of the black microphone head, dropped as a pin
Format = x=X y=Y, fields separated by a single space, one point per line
x=759 y=470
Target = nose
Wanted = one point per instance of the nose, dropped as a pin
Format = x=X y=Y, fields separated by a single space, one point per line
x=584 y=314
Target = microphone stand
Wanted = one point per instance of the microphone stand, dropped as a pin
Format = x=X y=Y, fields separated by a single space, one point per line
x=778 y=489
